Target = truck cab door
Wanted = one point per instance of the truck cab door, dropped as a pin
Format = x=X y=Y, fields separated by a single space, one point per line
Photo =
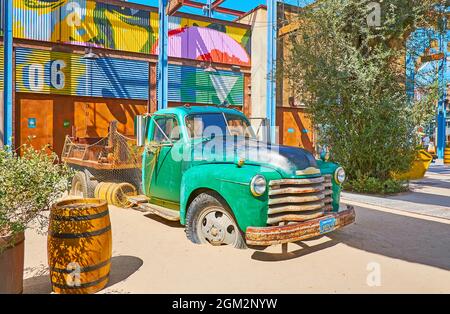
x=161 y=164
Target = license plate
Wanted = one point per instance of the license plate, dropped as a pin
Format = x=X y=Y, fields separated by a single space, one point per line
x=327 y=225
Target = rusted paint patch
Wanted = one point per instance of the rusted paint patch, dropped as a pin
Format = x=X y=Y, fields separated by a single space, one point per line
x=296 y=232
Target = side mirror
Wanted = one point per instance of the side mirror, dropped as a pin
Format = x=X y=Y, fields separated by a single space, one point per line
x=141 y=130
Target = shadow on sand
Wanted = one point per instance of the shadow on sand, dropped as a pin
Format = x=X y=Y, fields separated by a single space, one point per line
x=122 y=267
x=172 y=224
x=286 y=254
x=396 y=236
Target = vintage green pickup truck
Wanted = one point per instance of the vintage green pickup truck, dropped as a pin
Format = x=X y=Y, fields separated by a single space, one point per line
x=204 y=166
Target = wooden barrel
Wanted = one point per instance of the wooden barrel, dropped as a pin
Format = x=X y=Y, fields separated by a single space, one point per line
x=115 y=193
x=79 y=246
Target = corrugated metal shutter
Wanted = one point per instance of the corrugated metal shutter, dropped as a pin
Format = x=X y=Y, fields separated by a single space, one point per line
x=36 y=20
x=119 y=78
x=47 y=72
x=79 y=22
x=130 y=28
x=118 y=27
x=194 y=85
x=228 y=86
x=36 y=68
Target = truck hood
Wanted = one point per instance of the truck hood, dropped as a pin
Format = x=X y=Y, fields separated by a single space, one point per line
x=285 y=159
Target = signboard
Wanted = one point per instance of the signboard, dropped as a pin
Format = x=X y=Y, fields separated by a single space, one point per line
x=31 y=123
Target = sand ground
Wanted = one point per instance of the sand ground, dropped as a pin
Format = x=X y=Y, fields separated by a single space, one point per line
x=410 y=252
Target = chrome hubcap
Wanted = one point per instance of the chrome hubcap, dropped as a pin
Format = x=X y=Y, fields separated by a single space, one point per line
x=215 y=226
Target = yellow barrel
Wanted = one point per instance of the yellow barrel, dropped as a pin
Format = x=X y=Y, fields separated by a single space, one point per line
x=79 y=246
x=103 y=191
x=447 y=156
x=115 y=193
x=418 y=168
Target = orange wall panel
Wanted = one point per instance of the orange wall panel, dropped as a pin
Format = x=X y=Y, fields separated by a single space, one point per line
x=57 y=116
x=92 y=119
x=295 y=128
x=36 y=123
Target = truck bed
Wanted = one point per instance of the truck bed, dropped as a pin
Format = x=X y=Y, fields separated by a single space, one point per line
x=113 y=152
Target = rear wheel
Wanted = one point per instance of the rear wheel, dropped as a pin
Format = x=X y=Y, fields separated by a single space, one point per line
x=208 y=220
x=91 y=185
x=79 y=185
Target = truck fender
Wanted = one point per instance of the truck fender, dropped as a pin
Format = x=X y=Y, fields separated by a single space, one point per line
x=232 y=184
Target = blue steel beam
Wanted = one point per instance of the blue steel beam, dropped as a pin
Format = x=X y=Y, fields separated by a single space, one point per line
x=8 y=73
x=271 y=67
x=272 y=35
x=441 y=114
x=163 y=32
x=416 y=47
x=209 y=9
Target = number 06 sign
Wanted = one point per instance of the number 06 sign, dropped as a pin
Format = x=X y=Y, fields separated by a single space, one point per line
x=37 y=75
x=48 y=72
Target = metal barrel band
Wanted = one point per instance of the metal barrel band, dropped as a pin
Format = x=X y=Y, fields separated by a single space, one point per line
x=83 y=285
x=79 y=235
x=80 y=218
x=82 y=269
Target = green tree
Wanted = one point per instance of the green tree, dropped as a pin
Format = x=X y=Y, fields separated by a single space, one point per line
x=350 y=72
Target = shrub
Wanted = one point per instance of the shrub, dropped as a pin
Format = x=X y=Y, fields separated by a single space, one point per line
x=374 y=185
x=29 y=185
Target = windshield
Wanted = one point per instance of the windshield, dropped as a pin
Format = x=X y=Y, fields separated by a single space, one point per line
x=205 y=125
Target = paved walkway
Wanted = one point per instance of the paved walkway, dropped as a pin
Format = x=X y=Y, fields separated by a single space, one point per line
x=429 y=196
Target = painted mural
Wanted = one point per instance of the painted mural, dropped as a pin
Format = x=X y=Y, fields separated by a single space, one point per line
x=193 y=85
x=199 y=40
x=48 y=72
x=106 y=25
x=84 y=22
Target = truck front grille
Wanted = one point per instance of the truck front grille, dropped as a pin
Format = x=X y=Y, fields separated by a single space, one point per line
x=296 y=200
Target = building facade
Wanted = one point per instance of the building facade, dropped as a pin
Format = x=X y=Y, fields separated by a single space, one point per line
x=78 y=64
x=294 y=126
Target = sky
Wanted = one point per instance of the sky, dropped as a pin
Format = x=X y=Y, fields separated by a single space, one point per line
x=241 y=5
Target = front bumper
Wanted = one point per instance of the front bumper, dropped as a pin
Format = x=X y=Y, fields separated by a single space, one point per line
x=265 y=236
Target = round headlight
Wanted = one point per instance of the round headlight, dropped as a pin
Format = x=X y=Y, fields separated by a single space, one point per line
x=258 y=185
x=339 y=175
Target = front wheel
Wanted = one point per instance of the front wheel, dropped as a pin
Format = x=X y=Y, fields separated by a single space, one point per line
x=208 y=220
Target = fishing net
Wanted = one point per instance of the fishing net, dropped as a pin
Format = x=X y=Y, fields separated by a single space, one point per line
x=114 y=158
